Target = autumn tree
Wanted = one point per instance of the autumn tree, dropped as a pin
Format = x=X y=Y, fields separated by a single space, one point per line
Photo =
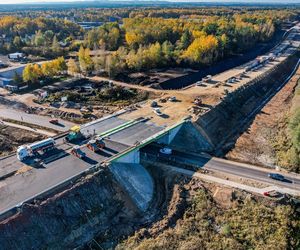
x=31 y=73
x=73 y=68
x=55 y=45
x=85 y=60
x=203 y=50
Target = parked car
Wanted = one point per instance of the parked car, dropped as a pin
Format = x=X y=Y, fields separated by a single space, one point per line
x=276 y=176
x=153 y=104
x=157 y=112
x=172 y=99
x=166 y=151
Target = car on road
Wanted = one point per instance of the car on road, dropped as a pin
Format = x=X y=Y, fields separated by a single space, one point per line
x=166 y=151
x=275 y=176
x=54 y=121
x=100 y=142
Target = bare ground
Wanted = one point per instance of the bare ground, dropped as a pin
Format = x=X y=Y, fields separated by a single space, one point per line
x=256 y=145
x=11 y=138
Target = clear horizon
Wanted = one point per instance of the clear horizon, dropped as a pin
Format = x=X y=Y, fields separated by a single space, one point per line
x=221 y=1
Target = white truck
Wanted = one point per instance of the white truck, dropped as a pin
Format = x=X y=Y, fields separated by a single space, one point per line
x=16 y=56
x=26 y=151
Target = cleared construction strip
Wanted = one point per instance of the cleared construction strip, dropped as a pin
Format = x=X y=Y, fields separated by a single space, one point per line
x=38 y=131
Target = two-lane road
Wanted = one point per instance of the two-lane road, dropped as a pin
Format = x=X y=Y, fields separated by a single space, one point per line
x=39 y=120
x=226 y=167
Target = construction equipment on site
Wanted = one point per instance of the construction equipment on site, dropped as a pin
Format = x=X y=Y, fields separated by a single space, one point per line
x=91 y=145
x=96 y=144
x=74 y=135
x=76 y=150
x=100 y=142
x=27 y=151
x=198 y=101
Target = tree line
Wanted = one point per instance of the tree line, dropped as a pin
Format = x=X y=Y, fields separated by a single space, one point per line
x=33 y=73
x=143 y=43
x=37 y=36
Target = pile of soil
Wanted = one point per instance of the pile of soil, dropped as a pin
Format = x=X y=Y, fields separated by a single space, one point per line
x=11 y=138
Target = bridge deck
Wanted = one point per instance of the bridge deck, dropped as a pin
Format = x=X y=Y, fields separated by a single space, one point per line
x=21 y=187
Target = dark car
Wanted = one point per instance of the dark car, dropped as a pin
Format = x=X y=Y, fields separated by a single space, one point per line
x=277 y=177
x=54 y=121
x=154 y=104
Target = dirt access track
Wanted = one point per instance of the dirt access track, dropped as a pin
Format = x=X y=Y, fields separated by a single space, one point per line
x=255 y=145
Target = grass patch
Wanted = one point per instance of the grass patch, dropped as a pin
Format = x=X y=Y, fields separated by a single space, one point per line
x=287 y=141
x=249 y=224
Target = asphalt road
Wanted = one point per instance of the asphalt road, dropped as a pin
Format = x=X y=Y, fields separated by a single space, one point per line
x=260 y=174
x=42 y=121
x=19 y=188
x=136 y=133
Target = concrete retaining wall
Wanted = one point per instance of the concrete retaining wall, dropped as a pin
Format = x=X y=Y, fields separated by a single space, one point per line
x=131 y=157
x=189 y=138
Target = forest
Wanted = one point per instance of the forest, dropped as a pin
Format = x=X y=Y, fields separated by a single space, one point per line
x=139 y=39
x=143 y=42
x=37 y=36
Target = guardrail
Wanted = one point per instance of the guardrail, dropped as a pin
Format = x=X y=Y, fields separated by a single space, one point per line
x=122 y=127
x=46 y=193
x=146 y=141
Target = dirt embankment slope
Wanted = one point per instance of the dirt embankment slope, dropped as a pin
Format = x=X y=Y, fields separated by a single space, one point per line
x=93 y=212
x=11 y=138
x=267 y=135
x=229 y=119
x=214 y=218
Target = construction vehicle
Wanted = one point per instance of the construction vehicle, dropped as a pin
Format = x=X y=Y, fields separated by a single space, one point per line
x=74 y=135
x=26 y=151
x=100 y=142
x=92 y=145
x=198 y=101
x=76 y=150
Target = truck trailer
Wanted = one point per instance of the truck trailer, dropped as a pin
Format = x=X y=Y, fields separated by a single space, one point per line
x=27 y=151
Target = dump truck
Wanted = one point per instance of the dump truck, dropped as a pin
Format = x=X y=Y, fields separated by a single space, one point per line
x=76 y=150
x=74 y=135
x=26 y=151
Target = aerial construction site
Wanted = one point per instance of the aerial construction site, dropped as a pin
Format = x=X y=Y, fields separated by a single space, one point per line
x=131 y=171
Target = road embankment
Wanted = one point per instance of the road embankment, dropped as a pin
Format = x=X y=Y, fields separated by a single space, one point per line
x=225 y=122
